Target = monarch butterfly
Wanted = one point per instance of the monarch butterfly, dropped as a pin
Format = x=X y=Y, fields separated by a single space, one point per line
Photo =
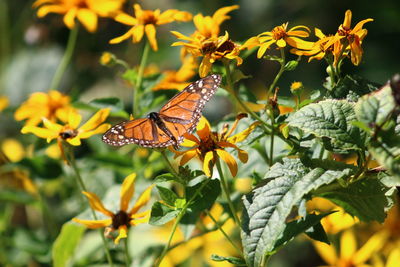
x=178 y=116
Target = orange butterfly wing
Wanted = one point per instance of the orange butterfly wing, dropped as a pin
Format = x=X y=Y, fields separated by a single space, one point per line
x=178 y=116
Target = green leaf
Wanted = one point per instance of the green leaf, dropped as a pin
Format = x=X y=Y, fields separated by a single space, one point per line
x=114 y=159
x=351 y=88
x=332 y=120
x=16 y=196
x=238 y=75
x=375 y=108
x=297 y=227
x=233 y=260
x=385 y=148
x=206 y=197
x=115 y=104
x=161 y=214
x=268 y=207
x=66 y=242
x=317 y=232
x=167 y=195
x=365 y=199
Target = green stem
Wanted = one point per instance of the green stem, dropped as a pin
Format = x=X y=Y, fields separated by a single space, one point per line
x=169 y=165
x=281 y=70
x=176 y=223
x=126 y=252
x=227 y=194
x=237 y=98
x=73 y=35
x=271 y=147
x=139 y=79
x=71 y=161
x=224 y=233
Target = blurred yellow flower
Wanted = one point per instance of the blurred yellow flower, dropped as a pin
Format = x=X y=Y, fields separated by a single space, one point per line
x=70 y=131
x=123 y=219
x=3 y=103
x=52 y=105
x=178 y=79
x=296 y=86
x=211 y=49
x=13 y=149
x=200 y=249
x=145 y=21
x=335 y=222
x=86 y=11
x=211 y=145
x=349 y=254
x=280 y=36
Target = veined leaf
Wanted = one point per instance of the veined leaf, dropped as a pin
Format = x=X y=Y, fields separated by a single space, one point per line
x=333 y=120
x=267 y=208
x=367 y=199
x=374 y=109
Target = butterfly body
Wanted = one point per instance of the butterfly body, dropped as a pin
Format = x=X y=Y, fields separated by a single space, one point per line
x=178 y=116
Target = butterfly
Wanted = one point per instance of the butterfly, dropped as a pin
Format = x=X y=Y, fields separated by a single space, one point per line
x=180 y=115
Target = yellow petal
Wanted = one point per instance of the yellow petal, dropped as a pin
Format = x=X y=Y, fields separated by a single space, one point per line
x=95 y=120
x=142 y=200
x=188 y=155
x=299 y=43
x=373 y=245
x=230 y=161
x=137 y=33
x=101 y=129
x=127 y=190
x=327 y=253
x=150 y=30
x=190 y=140
x=239 y=137
x=96 y=204
x=220 y=15
x=94 y=224
x=359 y=25
x=74 y=119
x=393 y=258
x=40 y=132
x=69 y=18
x=76 y=141
x=205 y=66
x=126 y=19
x=123 y=37
x=122 y=233
x=319 y=33
x=348 y=244
x=88 y=19
x=281 y=43
x=263 y=48
x=139 y=218
x=347 y=19
x=207 y=162
x=44 y=10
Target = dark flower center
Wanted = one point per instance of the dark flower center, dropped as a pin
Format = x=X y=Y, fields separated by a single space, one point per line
x=208 y=48
x=227 y=46
x=119 y=219
x=69 y=133
x=82 y=4
x=207 y=145
x=148 y=17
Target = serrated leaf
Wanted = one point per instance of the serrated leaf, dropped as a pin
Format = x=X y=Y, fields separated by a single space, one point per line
x=161 y=214
x=375 y=108
x=167 y=195
x=297 y=227
x=66 y=242
x=267 y=208
x=351 y=88
x=365 y=199
x=331 y=119
x=233 y=260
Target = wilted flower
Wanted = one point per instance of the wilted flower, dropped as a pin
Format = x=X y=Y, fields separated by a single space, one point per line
x=211 y=145
x=145 y=21
x=86 y=11
x=123 y=219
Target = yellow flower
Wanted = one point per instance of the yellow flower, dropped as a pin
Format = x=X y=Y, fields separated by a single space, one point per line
x=211 y=49
x=145 y=21
x=13 y=149
x=3 y=103
x=200 y=248
x=123 y=219
x=86 y=11
x=178 y=79
x=349 y=255
x=52 y=105
x=211 y=145
x=208 y=26
x=296 y=86
x=280 y=36
x=70 y=131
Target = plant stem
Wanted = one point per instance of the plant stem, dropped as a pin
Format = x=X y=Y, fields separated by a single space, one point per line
x=72 y=163
x=139 y=80
x=227 y=194
x=281 y=70
x=73 y=34
x=231 y=90
x=224 y=233
x=271 y=147
x=176 y=223
x=170 y=167
x=126 y=252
